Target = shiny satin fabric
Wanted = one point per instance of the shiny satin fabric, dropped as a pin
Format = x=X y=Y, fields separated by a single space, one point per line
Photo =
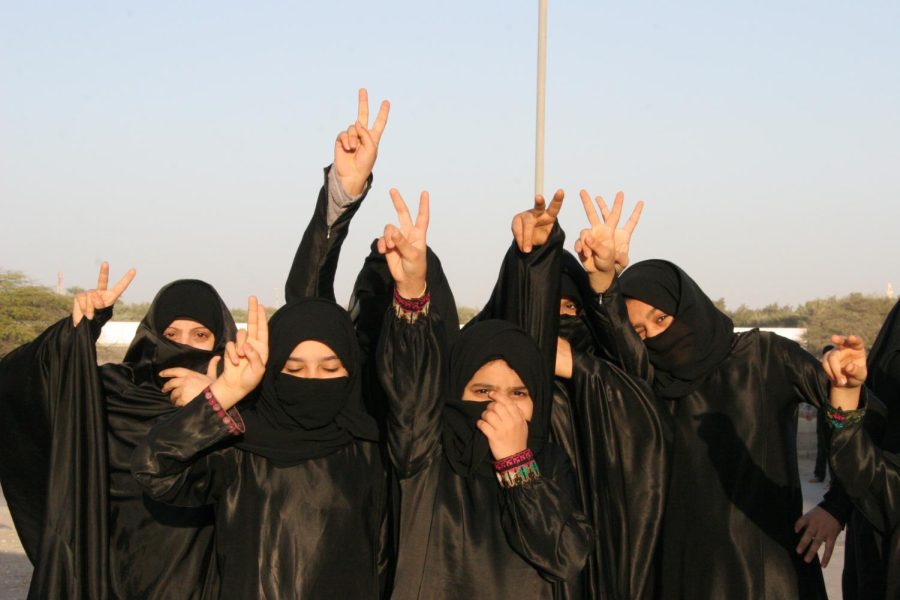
x=465 y=537
x=735 y=491
x=614 y=431
x=315 y=529
x=871 y=477
x=53 y=467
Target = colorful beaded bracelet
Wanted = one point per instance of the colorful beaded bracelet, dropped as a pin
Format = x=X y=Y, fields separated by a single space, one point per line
x=525 y=473
x=838 y=418
x=511 y=462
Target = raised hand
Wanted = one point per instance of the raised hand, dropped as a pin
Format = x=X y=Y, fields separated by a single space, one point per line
x=846 y=364
x=622 y=237
x=505 y=427
x=183 y=385
x=405 y=248
x=596 y=245
x=532 y=227
x=356 y=149
x=86 y=303
x=247 y=357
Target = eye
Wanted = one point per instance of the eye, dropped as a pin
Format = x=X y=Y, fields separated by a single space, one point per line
x=661 y=319
x=170 y=334
x=294 y=369
x=481 y=391
x=331 y=369
x=521 y=394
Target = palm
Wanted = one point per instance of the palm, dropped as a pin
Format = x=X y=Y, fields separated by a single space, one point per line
x=404 y=246
x=356 y=149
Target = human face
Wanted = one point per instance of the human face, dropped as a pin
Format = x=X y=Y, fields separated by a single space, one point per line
x=311 y=359
x=648 y=321
x=497 y=381
x=190 y=333
x=567 y=306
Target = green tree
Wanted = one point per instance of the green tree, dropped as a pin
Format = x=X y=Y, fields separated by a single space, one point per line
x=27 y=309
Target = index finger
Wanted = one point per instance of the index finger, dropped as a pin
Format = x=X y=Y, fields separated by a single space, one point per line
x=362 y=114
x=262 y=325
x=175 y=372
x=635 y=217
x=103 y=277
x=381 y=120
x=401 y=208
x=424 y=214
x=123 y=283
x=556 y=203
x=252 y=305
x=589 y=209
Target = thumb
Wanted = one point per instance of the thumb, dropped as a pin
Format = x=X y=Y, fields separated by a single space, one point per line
x=212 y=369
x=406 y=250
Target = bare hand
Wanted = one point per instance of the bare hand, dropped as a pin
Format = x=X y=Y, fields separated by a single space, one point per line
x=604 y=248
x=532 y=227
x=563 y=358
x=183 y=385
x=405 y=247
x=845 y=365
x=818 y=526
x=356 y=149
x=251 y=350
x=86 y=303
x=505 y=427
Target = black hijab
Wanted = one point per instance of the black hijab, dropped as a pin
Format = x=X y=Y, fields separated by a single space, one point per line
x=465 y=446
x=576 y=286
x=700 y=336
x=294 y=418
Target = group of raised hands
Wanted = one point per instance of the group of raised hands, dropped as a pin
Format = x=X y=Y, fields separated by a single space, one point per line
x=603 y=248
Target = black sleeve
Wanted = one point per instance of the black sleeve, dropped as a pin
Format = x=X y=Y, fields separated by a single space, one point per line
x=181 y=461
x=315 y=263
x=870 y=476
x=542 y=522
x=627 y=434
x=413 y=376
x=623 y=343
x=527 y=293
x=54 y=469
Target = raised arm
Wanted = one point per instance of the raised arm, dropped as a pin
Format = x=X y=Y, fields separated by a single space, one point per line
x=604 y=248
x=527 y=288
x=412 y=349
x=178 y=462
x=347 y=181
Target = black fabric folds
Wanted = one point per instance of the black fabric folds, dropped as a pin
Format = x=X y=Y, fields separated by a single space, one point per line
x=465 y=445
x=700 y=336
x=295 y=419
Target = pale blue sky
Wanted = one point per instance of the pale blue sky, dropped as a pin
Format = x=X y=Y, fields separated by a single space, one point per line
x=186 y=138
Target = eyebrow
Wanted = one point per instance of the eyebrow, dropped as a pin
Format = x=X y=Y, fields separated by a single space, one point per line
x=300 y=359
x=487 y=385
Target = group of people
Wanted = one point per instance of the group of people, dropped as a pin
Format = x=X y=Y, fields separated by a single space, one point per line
x=598 y=430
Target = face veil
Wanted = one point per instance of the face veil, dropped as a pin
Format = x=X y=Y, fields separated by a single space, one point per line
x=293 y=419
x=465 y=446
x=698 y=339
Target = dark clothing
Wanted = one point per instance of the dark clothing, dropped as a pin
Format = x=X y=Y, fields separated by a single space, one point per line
x=98 y=527
x=871 y=477
x=820 y=470
x=735 y=491
x=615 y=432
x=310 y=530
x=465 y=537
x=869 y=553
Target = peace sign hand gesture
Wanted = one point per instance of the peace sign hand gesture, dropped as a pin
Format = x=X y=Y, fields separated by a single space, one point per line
x=87 y=302
x=603 y=248
x=356 y=149
x=405 y=247
x=532 y=227
x=247 y=357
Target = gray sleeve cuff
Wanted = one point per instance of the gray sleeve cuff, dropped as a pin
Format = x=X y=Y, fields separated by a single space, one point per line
x=338 y=200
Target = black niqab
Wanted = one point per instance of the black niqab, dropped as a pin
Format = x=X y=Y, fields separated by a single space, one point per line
x=294 y=418
x=700 y=336
x=576 y=286
x=465 y=446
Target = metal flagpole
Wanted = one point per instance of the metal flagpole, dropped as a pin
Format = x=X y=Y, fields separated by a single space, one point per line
x=541 y=96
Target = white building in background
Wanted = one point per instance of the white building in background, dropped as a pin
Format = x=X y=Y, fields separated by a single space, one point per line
x=120 y=333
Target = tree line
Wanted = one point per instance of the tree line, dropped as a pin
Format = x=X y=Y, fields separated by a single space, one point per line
x=26 y=309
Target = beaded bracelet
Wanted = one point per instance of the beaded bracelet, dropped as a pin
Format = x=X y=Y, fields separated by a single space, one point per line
x=234 y=428
x=517 y=470
x=410 y=309
x=838 y=418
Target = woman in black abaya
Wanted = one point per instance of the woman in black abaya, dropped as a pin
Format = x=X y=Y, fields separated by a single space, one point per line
x=463 y=533
x=732 y=526
x=85 y=523
x=300 y=498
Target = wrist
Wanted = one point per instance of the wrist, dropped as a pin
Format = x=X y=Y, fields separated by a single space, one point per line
x=845 y=398
x=352 y=186
x=517 y=469
x=226 y=395
x=600 y=282
x=411 y=290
